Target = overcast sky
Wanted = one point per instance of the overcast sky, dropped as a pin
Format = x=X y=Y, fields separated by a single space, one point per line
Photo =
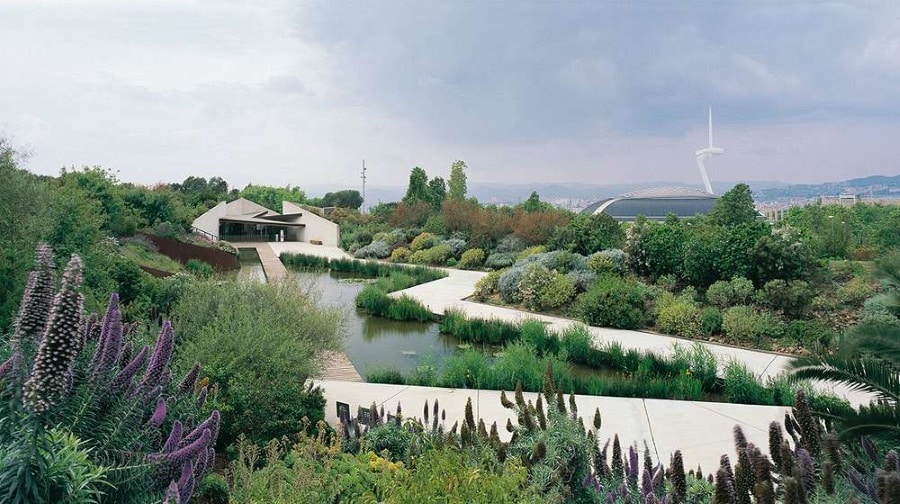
x=596 y=91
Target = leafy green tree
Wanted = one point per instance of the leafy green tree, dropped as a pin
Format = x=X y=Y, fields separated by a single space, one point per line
x=197 y=191
x=781 y=255
x=348 y=198
x=417 y=190
x=24 y=217
x=272 y=197
x=662 y=249
x=437 y=192
x=100 y=185
x=457 y=180
x=534 y=204
x=586 y=234
x=734 y=207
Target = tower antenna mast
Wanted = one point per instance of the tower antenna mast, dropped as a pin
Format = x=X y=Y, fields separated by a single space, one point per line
x=364 y=186
x=706 y=153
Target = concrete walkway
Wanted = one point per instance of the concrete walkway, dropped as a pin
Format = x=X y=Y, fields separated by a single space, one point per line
x=703 y=431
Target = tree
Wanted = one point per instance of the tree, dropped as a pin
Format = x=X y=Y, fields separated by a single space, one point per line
x=272 y=197
x=458 y=180
x=734 y=207
x=586 y=234
x=348 y=198
x=437 y=192
x=417 y=190
x=534 y=204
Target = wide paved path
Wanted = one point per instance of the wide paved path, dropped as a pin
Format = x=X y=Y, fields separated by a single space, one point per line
x=701 y=430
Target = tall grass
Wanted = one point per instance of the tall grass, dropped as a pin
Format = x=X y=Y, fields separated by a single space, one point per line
x=490 y=331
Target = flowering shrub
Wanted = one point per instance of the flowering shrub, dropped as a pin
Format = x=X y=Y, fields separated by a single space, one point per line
x=86 y=412
x=534 y=280
x=471 y=258
x=488 y=285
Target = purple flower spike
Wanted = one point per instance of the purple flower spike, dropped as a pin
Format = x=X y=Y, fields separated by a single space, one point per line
x=201 y=398
x=126 y=374
x=159 y=414
x=162 y=352
x=189 y=452
x=172 y=496
x=15 y=360
x=110 y=345
x=174 y=437
x=186 y=483
x=190 y=379
x=211 y=424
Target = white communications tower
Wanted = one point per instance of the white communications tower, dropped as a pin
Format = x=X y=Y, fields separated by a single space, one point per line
x=705 y=153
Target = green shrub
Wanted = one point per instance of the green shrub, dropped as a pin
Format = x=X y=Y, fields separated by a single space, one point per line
x=533 y=282
x=467 y=369
x=400 y=254
x=471 y=258
x=745 y=324
x=680 y=318
x=723 y=293
x=487 y=286
x=558 y=292
x=289 y=333
x=809 y=333
x=213 y=489
x=612 y=302
x=389 y=437
x=600 y=264
x=577 y=344
x=711 y=321
x=498 y=260
x=377 y=250
x=699 y=361
x=424 y=241
x=791 y=297
x=533 y=332
x=199 y=268
x=436 y=255
x=855 y=292
x=508 y=284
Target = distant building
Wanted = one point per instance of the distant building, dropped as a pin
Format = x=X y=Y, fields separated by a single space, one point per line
x=655 y=204
x=242 y=220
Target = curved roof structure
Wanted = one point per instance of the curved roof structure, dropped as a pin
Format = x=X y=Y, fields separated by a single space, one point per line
x=655 y=204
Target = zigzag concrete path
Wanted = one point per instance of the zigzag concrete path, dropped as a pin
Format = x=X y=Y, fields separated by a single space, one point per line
x=701 y=430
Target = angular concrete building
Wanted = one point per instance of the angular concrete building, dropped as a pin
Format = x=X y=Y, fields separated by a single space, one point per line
x=655 y=204
x=242 y=220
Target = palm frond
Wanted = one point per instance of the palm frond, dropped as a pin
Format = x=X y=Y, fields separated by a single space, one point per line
x=877 y=420
x=881 y=342
x=863 y=374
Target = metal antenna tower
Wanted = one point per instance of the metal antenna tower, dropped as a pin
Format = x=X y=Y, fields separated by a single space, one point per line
x=364 y=186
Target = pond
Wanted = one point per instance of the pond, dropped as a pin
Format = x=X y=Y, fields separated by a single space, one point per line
x=374 y=342
x=251 y=268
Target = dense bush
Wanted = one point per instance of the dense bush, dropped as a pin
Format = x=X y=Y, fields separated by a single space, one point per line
x=711 y=321
x=456 y=245
x=680 y=318
x=532 y=284
x=400 y=254
x=613 y=302
x=530 y=251
x=808 y=333
x=488 y=285
x=790 y=297
x=377 y=249
x=581 y=279
x=508 y=284
x=725 y=293
x=746 y=324
x=289 y=332
x=558 y=292
x=498 y=260
x=471 y=259
x=436 y=255
x=424 y=241
x=510 y=244
x=199 y=268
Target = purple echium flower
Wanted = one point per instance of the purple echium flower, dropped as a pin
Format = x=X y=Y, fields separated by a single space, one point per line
x=201 y=397
x=186 y=483
x=190 y=379
x=807 y=470
x=13 y=362
x=172 y=496
x=174 y=437
x=211 y=423
x=632 y=464
x=187 y=453
x=38 y=297
x=162 y=352
x=159 y=413
x=110 y=338
x=59 y=343
x=125 y=375
x=200 y=464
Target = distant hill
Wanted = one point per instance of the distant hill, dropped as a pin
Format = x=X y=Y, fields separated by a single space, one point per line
x=577 y=195
x=876 y=185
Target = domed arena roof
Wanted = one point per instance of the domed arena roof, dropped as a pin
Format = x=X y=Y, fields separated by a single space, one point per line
x=655 y=203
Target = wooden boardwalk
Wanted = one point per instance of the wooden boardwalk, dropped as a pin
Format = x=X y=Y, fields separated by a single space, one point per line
x=337 y=365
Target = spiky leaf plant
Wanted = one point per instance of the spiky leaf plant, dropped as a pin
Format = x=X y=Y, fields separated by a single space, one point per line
x=77 y=399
